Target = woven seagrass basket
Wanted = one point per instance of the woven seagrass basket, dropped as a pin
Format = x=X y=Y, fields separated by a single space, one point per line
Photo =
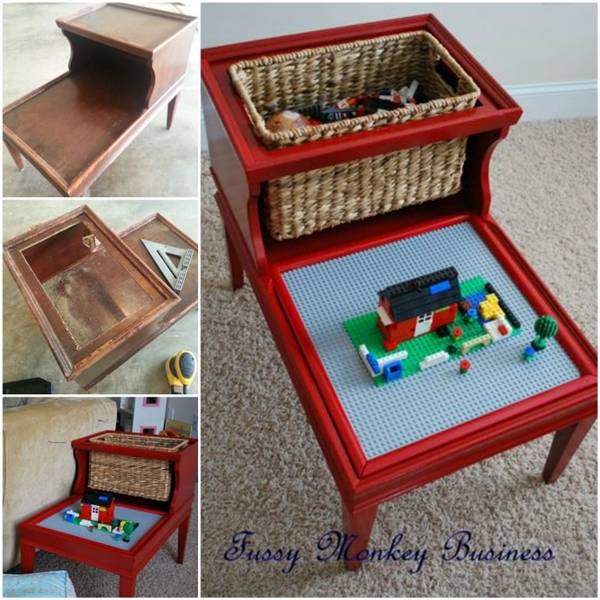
x=131 y=475
x=314 y=200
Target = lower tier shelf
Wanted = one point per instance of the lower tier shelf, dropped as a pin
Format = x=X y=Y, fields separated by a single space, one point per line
x=75 y=125
x=319 y=296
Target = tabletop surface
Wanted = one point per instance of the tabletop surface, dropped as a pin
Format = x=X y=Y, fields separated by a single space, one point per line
x=130 y=24
x=390 y=417
x=75 y=120
x=146 y=521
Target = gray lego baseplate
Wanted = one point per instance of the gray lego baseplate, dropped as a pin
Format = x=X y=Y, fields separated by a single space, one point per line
x=390 y=417
x=144 y=518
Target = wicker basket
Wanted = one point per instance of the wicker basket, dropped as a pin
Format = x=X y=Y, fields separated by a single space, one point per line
x=130 y=475
x=314 y=200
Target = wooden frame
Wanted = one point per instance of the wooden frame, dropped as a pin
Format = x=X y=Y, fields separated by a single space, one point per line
x=240 y=165
x=90 y=363
x=73 y=127
x=125 y=563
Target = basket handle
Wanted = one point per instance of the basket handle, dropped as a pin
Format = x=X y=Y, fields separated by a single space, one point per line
x=446 y=73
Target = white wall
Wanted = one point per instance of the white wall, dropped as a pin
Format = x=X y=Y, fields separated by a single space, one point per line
x=184 y=409
x=518 y=43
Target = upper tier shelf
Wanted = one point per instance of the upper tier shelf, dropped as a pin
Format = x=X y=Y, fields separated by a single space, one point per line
x=134 y=29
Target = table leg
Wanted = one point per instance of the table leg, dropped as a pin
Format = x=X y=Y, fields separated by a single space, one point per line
x=235 y=265
x=564 y=445
x=171 y=111
x=182 y=538
x=359 y=523
x=127 y=586
x=15 y=154
x=27 y=558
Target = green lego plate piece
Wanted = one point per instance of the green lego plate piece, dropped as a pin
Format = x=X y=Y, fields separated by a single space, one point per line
x=363 y=330
x=128 y=527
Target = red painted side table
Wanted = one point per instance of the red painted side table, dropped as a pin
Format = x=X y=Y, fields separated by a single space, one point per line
x=240 y=165
x=165 y=517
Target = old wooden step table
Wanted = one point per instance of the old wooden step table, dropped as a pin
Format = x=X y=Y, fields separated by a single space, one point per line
x=126 y=63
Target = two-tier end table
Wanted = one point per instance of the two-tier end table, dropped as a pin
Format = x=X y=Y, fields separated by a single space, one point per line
x=126 y=63
x=381 y=442
x=158 y=519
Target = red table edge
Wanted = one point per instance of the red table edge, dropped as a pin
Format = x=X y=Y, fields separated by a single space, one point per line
x=38 y=536
x=498 y=109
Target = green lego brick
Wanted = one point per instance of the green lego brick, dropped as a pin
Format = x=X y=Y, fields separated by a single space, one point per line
x=128 y=526
x=363 y=330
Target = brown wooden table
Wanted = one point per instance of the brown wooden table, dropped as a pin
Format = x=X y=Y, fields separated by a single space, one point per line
x=126 y=63
x=96 y=295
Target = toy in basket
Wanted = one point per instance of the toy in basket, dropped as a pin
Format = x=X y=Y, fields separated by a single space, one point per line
x=97 y=512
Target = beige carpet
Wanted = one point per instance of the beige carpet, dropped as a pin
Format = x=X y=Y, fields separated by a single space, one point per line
x=262 y=469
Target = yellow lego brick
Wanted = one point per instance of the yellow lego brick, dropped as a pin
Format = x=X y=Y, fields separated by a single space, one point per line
x=489 y=308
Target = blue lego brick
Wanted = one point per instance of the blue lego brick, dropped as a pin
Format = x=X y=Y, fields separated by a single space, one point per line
x=442 y=286
x=476 y=298
x=373 y=363
x=391 y=416
x=392 y=371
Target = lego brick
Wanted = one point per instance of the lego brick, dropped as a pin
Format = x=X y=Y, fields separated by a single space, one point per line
x=490 y=309
x=442 y=286
x=482 y=340
x=434 y=359
x=494 y=328
x=475 y=299
x=394 y=415
x=392 y=371
x=385 y=319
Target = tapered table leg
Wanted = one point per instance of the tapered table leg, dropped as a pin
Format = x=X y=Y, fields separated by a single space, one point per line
x=182 y=538
x=126 y=586
x=235 y=265
x=359 y=523
x=171 y=111
x=565 y=443
x=27 y=558
x=15 y=154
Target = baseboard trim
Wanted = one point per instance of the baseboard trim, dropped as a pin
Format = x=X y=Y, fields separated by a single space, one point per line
x=564 y=100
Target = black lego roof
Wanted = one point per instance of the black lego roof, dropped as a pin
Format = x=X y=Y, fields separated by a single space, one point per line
x=422 y=294
x=99 y=498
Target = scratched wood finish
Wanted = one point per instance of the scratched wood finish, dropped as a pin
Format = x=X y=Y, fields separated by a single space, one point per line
x=126 y=63
x=157 y=229
x=89 y=293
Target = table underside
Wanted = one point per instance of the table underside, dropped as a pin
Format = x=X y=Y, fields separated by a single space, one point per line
x=390 y=417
